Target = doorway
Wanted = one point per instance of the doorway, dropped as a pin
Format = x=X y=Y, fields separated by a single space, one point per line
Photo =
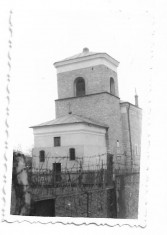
x=57 y=172
x=45 y=208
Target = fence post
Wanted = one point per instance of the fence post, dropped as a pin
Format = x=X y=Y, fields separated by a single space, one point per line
x=109 y=169
x=110 y=192
x=87 y=209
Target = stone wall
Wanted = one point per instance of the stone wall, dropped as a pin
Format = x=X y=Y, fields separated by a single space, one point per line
x=79 y=203
x=127 y=190
x=20 y=193
x=87 y=201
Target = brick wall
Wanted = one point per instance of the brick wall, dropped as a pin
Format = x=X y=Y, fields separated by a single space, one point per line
x=97 y=79
x=102 y=107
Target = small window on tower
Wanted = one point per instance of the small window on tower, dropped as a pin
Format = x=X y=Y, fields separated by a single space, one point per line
x=117 y=143
x=42 y=156
x=72 y=154
x=112 y=86
x=56 y=141
x=79 y=87
x=136 y=149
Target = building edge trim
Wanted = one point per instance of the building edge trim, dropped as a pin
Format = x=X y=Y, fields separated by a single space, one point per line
x=61 y=124
x=99 y=93
x=83 y=58
x=128 y=103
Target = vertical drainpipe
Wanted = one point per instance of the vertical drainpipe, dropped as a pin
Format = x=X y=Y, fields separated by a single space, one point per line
x=130 y=139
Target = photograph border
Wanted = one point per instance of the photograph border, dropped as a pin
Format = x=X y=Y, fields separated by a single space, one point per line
x=6 y=190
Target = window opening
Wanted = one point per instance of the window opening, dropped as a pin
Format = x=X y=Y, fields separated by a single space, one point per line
x=80 y=87
x=112 y=86
x=57 y=141
x=136 y=149
x=42 y=156
x=72 y=154
x=57 y=171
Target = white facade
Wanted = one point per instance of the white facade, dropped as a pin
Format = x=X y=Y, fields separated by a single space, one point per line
x=87 y=140
x=84 y=60
x=89 y=62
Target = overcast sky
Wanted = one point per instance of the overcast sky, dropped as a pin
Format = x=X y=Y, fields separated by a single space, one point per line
x=47 y=31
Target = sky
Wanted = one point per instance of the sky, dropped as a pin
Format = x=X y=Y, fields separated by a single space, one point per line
x=46 y=32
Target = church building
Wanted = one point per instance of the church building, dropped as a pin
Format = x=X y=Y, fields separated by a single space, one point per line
x=90 y=119
x=92 y=144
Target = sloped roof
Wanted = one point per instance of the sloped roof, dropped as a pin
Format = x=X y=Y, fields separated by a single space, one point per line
x=70 y=119
x=85 y=54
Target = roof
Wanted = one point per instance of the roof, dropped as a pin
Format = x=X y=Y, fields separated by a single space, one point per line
x=126 y=102
x=84 y=55
x=85 y=52
x=70 y=119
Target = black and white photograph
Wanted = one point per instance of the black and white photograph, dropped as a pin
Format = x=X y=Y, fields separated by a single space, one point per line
x=86 y=161
x=77 y=112
x=79 y=77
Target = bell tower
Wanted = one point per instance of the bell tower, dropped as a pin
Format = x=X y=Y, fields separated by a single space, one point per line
x=88 y=83
x=97 y=71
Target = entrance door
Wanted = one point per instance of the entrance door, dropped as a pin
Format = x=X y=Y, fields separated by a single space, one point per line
x=57 y=172
x=44 y=208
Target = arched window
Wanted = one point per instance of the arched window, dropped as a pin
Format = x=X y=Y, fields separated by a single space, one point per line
x=79 y=87
x=42 y=156
x=112 y=86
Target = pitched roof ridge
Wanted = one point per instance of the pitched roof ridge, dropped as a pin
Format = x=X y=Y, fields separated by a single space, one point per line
x=80 y=55
x=65 y=119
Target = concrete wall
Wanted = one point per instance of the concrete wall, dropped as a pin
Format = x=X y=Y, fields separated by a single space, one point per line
x=61 y=155
x=71 y=134
x=97 y=79
x=102 y=107
x=87 y=141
